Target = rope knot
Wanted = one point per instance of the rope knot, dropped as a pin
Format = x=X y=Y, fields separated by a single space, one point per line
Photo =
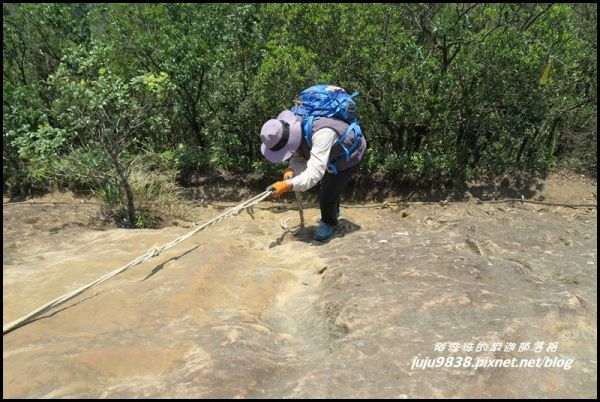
x=152 y=253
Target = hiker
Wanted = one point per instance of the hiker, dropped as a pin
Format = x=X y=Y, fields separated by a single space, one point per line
x=315 y=155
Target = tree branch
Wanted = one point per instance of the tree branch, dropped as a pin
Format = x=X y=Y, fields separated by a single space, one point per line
x=529 y=22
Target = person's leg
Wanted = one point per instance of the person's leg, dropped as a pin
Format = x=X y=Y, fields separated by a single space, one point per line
x=331 y=187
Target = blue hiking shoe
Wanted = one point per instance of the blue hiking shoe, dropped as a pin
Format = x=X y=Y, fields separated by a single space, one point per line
x=324 y=232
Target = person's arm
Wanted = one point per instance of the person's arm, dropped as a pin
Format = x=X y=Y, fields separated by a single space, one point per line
x=322 y=140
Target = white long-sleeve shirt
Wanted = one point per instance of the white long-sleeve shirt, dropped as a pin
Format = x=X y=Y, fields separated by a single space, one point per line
x=308 y=173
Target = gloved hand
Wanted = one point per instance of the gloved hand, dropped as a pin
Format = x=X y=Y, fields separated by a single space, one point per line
x=288 y=174
x=279 y=188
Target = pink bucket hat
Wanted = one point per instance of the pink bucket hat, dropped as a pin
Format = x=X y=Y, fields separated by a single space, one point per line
x=281 y=136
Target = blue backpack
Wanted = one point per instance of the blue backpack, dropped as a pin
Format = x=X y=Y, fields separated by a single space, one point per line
x=333 y=102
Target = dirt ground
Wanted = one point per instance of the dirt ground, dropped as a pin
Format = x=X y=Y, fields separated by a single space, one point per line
x=408 y=300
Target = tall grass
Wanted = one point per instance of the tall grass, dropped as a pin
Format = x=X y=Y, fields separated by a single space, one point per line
x=156 y=195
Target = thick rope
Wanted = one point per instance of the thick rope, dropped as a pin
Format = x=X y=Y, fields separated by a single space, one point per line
x=150 y=254
x=523 y=200
x=26 y=203
x=296 y=229
x=478 y=201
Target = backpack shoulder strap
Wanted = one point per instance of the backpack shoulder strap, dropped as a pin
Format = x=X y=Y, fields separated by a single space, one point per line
x=307 y=126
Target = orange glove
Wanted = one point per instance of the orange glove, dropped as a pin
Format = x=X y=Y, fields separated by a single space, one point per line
x=279 y=188
x=288 y=174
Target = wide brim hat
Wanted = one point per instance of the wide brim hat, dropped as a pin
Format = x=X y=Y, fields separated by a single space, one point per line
x=281 y=137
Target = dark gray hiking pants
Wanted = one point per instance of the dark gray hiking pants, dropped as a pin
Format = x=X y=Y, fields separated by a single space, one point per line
x=332 y=185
